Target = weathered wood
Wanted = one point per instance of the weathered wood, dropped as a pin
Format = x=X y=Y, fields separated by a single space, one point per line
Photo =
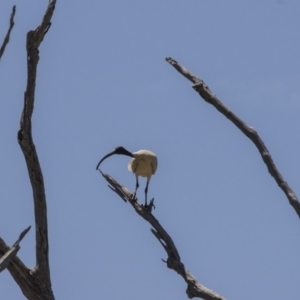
x=250 y=132
x=10 y=254
x=194 y=288
x=35 y=283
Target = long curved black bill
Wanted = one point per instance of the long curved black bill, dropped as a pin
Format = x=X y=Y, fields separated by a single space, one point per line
x=104 y=157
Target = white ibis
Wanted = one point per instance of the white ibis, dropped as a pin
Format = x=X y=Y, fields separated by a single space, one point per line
x=143 y=163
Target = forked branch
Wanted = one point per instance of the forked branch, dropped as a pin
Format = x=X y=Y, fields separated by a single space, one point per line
x=194 y=288
x=10 y=254
x=250 y=132
x=16 y=268
x=35 y=283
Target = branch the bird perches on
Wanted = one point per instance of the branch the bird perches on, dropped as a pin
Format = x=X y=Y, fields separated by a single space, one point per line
x=143 y=163
x=194 y=288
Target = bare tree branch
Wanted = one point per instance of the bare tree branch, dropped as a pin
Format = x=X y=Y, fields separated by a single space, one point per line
x=35 y=283
x=194 y=289
x=10 y=254
x=18 y=270
x=32 y=287
x=250 y=132
x=34 y=39
x=11 y=25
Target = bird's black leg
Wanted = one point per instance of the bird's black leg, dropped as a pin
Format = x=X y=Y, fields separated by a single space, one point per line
x=136 y=187
x=146 y=192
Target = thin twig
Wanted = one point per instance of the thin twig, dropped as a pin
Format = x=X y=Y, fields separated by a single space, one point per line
x=11 y=25
x=194 y=288
x=250 y=132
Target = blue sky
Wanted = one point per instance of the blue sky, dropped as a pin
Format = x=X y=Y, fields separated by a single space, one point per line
x=103 y=82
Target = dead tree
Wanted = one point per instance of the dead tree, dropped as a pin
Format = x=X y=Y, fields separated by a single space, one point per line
x=195 y=288
x=35 y=283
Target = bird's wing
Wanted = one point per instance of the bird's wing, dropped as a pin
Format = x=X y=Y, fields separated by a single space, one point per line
x=132 y=166
x=154 y=166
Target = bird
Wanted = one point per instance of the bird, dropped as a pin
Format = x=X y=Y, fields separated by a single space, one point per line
x=143 y=163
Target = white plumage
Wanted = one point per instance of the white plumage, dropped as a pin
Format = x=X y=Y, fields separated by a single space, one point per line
x=143 y=163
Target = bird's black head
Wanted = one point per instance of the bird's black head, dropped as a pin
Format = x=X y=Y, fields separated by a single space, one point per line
x=118 y=150
x=123 y=151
